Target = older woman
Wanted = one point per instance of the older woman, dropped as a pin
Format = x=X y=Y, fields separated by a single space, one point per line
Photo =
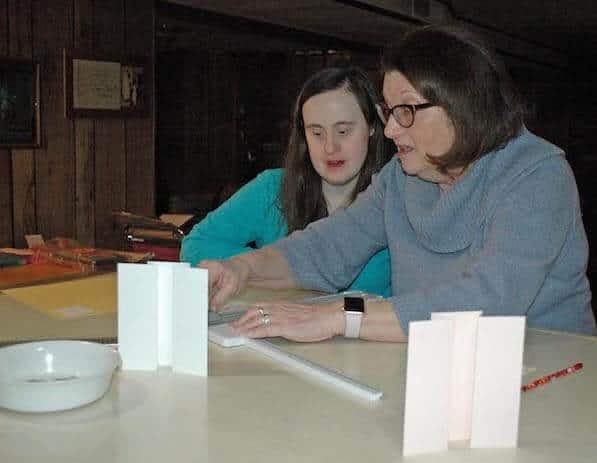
x=477 y=212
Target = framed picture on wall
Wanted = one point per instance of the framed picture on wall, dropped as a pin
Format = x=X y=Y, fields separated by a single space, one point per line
x=104 y=87
x=132 y=89
x=19 y=104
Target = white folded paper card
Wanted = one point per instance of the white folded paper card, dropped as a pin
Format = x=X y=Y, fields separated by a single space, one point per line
x=165 y=307
x=427 y=404
x=138 y=316
x=189 y=321
x=498 y=377
x=463 y=371
x=162 y=317
x=481 y=381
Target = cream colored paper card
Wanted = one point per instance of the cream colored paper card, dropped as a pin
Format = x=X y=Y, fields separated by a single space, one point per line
x=463 y=371
x=498 y=376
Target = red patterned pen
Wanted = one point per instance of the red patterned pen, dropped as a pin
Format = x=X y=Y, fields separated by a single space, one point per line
x=547 y=378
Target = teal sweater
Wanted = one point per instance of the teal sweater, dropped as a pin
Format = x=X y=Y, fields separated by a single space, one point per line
x=507 y=238
x=253 y=215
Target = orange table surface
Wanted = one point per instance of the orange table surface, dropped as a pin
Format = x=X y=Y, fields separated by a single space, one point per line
x=25 y=275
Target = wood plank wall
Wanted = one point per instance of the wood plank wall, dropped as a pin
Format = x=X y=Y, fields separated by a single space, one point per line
x=85 y=168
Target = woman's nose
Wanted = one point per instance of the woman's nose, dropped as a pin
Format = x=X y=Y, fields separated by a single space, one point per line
x=392 y=128
x=330 y=146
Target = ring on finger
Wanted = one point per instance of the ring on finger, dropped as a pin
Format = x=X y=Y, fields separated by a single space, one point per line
x=266 y=320
x=260 y=311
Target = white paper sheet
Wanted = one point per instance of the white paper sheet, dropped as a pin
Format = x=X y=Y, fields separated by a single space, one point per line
x=498 y=375
x=189 y=321
x=429 y=371
x=138 y=316
x=165 y=295
x=463 y=371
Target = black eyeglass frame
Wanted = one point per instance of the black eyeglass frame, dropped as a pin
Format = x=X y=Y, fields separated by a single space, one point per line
x=383 y=107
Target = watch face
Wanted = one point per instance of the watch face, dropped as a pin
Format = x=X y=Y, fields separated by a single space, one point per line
x=354 y=304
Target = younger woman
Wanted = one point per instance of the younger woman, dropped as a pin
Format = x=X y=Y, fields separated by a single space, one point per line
x=335 y=146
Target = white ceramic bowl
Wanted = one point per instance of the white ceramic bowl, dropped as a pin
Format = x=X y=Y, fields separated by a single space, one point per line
x=49 y=376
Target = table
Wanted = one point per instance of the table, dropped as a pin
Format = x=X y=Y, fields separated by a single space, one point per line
x=19 y=322
x=22 y=275
x=251 y=409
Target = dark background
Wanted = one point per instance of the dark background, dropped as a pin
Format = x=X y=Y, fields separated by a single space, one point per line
x=222 y=75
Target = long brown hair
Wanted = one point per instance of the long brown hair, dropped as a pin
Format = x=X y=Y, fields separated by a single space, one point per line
x=301 y=197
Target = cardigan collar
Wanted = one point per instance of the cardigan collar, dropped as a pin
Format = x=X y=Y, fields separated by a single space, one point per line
x=446 y=221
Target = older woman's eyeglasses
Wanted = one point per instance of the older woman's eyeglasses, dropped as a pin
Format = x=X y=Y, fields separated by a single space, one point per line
x=403 y=113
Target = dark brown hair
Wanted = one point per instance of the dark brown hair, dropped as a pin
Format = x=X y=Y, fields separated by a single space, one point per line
x=452 y=68
x=301 y=198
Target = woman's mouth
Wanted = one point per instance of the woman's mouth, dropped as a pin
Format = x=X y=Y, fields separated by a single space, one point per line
x=335 y=164
x=401 y=150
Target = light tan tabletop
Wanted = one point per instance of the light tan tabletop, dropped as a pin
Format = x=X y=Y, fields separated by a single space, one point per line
x=252 y=409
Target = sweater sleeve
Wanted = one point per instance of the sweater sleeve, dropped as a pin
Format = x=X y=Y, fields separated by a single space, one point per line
x=330 y=253
x=250 y=215
x=524 y=235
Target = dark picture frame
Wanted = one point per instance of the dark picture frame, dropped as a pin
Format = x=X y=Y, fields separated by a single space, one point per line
x=20 y=125
x=104 y=87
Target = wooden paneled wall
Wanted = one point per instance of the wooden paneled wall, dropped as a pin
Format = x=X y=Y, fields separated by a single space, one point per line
x=85 y=168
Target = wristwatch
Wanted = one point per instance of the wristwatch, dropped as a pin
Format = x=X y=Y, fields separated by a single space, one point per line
x=354 y=307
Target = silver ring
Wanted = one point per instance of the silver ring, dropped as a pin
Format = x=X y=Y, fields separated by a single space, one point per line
x=260 y=311
x=266 y=320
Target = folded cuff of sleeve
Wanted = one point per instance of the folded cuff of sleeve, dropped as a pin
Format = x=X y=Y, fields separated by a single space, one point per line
x=408 y=308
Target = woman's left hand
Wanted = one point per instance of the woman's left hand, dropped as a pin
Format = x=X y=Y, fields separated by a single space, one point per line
x=297 y=322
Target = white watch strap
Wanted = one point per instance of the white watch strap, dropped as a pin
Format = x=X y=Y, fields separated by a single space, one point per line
x=353 y=324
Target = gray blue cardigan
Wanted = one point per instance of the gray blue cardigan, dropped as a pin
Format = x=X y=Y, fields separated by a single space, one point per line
x=507 y=239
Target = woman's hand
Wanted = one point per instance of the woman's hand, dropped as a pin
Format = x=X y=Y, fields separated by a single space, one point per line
x=226 y=279
x=297 y=322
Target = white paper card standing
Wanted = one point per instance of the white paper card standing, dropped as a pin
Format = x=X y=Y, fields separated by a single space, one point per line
x=189 y=321
x=463 y=371
x=138 y=316
x=165 y=285
x=429 y=369
x=498 y=375
x=162 y=317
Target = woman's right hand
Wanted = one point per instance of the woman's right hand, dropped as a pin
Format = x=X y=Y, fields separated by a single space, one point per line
x=227 y=278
